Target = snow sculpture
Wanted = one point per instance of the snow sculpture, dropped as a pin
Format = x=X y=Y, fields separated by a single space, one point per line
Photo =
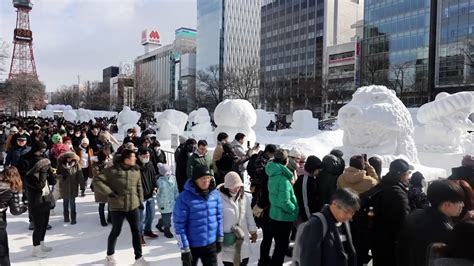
x=263 y=119
x=58 y=107
x=171 y=122
x=303 y=121
x=69 y=115
x=83 y=115
x=202 y=122
x=445 y=123
x=234 y=116
x=375 y=122
x=127 y=119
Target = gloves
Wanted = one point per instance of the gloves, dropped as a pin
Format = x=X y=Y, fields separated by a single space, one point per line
x=113 y=195
x=253 y=237
x=218 y=247
x=187 y=258
x=141 y=207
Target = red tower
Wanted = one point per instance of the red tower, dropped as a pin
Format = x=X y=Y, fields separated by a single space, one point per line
x=23 y=61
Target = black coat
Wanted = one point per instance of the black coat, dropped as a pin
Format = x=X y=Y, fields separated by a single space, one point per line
x=312 y=196
x=3 y=141
x=421 y=228
x=326 y=183
x=35 y=180
x=181 y=159
x=9 y=199
x=463 y=173
x=390 y=208
x=327 y=251
x=149 y=178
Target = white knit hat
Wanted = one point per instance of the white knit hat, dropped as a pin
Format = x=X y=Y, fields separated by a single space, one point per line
x=85 y=141
x=164 y=169
x=232 y=180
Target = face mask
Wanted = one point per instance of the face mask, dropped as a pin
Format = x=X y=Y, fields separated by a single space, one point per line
x=70 y=146
x=69 y=164
x=144 y=160
x=71 y=132
x=78 y=134
x=157 y=149
x=129 y=134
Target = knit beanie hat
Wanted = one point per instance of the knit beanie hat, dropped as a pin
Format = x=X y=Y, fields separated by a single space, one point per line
x=357 y=161
x=468 y=161
x=56 y=138
x=337 y=153
x=164 y=169
x=232 y=180
x=295 y=152
x=416 y=179
x=200 y=170
x=399 y=166
x=312 y=163
x=85 y=141
x=280 y=156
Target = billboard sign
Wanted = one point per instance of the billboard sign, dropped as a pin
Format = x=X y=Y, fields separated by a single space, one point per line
x=150 y=37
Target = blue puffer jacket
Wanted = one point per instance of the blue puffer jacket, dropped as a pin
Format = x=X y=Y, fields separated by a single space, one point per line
x=197 y=220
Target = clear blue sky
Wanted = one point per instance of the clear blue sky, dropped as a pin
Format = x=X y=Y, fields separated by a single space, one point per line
x=81 y=37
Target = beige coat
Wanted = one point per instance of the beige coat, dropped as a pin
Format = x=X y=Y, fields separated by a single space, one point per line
x=358 y=180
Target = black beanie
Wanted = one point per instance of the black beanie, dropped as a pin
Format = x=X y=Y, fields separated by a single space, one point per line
x=337 y=153
x=416 y=179
x=357 y=161
x=312 y=163
x=37 y=146
x=200 y=170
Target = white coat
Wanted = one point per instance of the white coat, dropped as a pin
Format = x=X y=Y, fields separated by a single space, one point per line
x=230 y=210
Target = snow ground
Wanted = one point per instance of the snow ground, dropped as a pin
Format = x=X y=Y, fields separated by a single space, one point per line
x=86 y=242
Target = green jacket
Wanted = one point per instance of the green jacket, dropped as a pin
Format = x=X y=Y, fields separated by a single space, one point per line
x=122 y=185
x=283 y=204
x=196 y=159
x=69 y=179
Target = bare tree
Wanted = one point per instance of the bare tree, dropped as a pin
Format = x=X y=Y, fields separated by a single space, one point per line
x=401 y=80
x=25 y=92
x=147 y=96
x=211 y=85
x=3 y=56
x=243 y=82
x=64 y=95
x=96 y=97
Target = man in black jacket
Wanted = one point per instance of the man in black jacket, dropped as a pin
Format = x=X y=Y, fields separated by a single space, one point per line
x=182 y=154
x=326 y=239
x=306 y=189
x=149 y=178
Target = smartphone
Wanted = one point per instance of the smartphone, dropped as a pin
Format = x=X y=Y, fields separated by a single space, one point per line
x=365 y=157
x=248 y=144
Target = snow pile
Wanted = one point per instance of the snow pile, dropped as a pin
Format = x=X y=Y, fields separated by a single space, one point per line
x=234 y=116
x=127 y=119
x=263 y=119
x=202 y=122
x=375 y=122
x=58 y=107
x=83 y=115
x=170 y=122
x=445 y=122
x=303 y=121
x=69 y=115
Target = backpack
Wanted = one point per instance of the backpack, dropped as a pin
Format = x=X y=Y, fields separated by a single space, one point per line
x=362 y=225
x=297 y=248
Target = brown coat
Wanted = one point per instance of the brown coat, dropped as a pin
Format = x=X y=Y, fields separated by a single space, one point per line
x=97 y=169
x=358 y=180
x=69 y=178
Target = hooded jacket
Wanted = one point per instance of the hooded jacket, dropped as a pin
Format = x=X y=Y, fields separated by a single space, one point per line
x=283 y=203
x=197 y=219
x=167 y=193
x=148 y=176
x=9 y=199
x=358 y=180
x=69 y=178
x=326 y=182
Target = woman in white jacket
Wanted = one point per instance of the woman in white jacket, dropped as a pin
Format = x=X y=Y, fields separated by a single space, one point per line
x=239 y=225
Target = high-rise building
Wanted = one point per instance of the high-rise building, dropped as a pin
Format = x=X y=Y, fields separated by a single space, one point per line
x=228 y=35
x=295 y=35
x=397 y=50
x=455 y=46
x=158 y=71
x=108 y=73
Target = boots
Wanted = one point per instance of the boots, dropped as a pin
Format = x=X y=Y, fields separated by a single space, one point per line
x=83 y=193
x=45 y=248
x=142 y=240
x=159 y=226
x=168 y=233
x=38 y=252
x=73 y=218
x=141 y=262
x=66 y=216
x=103 y=222
x=110 y=260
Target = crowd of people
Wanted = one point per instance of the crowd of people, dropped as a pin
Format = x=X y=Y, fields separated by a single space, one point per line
x=318 y=212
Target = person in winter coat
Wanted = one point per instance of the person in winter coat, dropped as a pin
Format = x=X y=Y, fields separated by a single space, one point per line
x=306 y=190
x=70 y=179
x=122 y=184
x=467 y=212
x=390 y=210
x=416 y=196
x=104 y=143
x=465 y=171
x=166 y=197
x=38 y=180
x=226 y=163
x=326 y=182
x=93 y=136
x=360 y=176
x=10 y=187
x=156 y=154
x=424 y=227
x=57 y=149
x=237 y=215
x=149 y=178
x=283 y=205
x=182 y=156
x=19 y=149
x=197 y=217
x=103 y=162
x=85 y=153
x=326 y=239
x=199 y=157
x=243 y=154
x=9 y=145
x=222 y=138
x=132 y=136
x=3 y=141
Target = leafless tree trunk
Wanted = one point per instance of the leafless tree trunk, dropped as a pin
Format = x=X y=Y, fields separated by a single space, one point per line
x=26 y=93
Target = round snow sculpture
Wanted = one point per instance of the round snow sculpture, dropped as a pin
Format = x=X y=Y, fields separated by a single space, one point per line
x=127 y=119
x=303 y=121
x=263 y=120
x=234 y=116
x=171 y=122
x=69 y=115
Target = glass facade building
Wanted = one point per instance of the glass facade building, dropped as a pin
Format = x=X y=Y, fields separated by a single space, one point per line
x=455 y=50
x=396 y=47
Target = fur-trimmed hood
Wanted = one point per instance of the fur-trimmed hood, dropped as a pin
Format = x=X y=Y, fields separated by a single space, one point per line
x=68 y=155
x=41 y=164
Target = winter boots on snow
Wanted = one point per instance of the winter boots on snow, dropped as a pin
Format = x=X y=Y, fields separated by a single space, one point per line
x=40 y=250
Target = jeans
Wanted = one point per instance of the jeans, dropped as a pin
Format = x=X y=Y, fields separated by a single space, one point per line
x=165 y=220
x=281 y=233
x=40 y=215
x=69 y=202
x=147 y=215
x=133 y=219
x=207 y=254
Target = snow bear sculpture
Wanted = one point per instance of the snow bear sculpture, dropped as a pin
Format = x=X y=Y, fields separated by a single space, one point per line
x=303 y=121
x=445 y=123
x=171 y=122
x=376 y=122
x=127 y=119
x=234 y=116
x=202 y=122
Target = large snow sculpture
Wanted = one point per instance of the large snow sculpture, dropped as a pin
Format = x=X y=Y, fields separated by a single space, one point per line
x=69 y=115
x=234 y=116
x=263 y=120
x=127 y=119
x=171 y=122
x=303 y=121
x=83 y=115
x=376 y=122
x=202 y=122
x=445 y=123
